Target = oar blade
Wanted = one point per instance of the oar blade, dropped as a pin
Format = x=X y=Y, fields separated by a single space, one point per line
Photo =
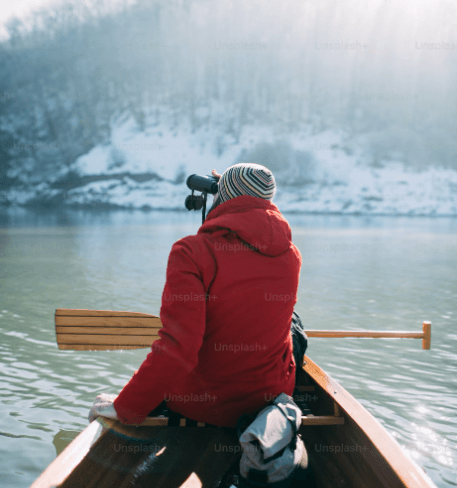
x=101 y=330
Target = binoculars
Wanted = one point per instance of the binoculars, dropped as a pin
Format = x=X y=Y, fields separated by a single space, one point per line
x=203 y=184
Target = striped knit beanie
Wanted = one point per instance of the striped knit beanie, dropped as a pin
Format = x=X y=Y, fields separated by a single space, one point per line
x=247 y=179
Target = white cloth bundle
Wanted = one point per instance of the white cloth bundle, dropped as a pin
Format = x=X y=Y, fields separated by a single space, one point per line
x=271 y=431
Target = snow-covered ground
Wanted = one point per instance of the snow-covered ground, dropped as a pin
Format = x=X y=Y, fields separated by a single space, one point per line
x=315 y=172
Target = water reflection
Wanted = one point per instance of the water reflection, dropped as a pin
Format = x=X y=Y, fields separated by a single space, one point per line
x=63 y=438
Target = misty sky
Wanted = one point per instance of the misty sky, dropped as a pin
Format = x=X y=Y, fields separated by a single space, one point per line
x=18 y=8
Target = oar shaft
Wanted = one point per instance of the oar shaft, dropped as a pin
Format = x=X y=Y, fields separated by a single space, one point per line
x=425 y=335
x=351 y=333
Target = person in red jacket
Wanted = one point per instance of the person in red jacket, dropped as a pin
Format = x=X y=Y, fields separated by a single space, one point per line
x=225 y=348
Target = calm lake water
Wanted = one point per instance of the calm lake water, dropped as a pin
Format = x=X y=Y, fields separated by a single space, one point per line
x=358 y=273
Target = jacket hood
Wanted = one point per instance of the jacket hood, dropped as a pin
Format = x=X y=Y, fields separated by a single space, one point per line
x=256 y=221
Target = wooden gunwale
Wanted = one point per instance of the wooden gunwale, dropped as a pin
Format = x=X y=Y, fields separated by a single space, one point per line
x=64 y=464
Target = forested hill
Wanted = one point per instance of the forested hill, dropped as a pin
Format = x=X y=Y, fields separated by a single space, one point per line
x=114 y=106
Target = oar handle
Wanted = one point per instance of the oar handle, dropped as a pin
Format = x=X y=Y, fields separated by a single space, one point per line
x=427 y=339
x=425 y=335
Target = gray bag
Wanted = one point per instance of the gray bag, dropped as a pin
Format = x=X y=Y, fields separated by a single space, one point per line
x=272 y=450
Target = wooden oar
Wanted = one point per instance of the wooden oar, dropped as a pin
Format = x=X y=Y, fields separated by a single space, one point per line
x=96 y=330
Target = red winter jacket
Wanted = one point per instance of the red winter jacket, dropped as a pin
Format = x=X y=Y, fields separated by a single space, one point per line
x=225 y=347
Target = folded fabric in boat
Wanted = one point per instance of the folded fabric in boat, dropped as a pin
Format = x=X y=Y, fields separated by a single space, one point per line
x=272 y=451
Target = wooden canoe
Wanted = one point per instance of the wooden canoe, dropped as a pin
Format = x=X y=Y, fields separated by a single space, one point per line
x=346 y=445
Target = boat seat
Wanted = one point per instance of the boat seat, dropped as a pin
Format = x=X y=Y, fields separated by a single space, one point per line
x=308 y=419
x=162 y=416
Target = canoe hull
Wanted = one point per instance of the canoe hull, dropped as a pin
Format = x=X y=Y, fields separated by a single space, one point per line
x=357 y=454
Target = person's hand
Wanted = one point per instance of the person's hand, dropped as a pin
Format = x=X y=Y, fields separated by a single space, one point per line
x=217 y=175
x=103 y=407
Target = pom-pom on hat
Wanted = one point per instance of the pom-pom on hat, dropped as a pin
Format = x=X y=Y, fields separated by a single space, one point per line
x=247 y=179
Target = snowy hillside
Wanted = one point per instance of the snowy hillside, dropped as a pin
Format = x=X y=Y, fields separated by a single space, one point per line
x=354 y=111
x=322 y=172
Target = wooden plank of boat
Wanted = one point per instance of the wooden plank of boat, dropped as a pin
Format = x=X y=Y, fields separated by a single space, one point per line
x=357 y=452
x=144 y=457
